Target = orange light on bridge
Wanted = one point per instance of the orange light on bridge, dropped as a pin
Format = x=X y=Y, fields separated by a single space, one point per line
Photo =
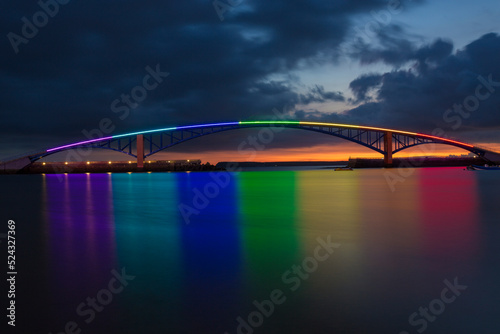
x=109 y=162
x=360 y=127
x=66 y=163
x=88 y=162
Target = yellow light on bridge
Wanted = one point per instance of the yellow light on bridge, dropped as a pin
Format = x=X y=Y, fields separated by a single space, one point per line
x=109 y=162
x=43 y=163
x=130 y=162
x=88 y=162
x=66 y=163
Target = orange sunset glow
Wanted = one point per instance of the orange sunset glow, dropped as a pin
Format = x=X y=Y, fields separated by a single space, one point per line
x=323 y=152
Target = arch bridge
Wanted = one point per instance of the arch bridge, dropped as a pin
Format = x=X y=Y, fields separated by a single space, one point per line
x=143 y=144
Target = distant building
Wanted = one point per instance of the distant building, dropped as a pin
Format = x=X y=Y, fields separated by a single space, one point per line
x=470 y=155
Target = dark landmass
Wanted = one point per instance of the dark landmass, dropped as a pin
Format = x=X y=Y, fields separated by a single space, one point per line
x=196 y=165
x=367 y=163
x=115 y=167
x=226 y=164
x=417 y=162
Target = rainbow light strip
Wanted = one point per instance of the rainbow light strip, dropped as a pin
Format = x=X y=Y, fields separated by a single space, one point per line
x=336 y=125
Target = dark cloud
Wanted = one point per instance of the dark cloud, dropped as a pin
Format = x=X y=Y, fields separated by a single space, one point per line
x=392 y=48
x=395 y=47
x=432 y=54
x=361 y=85
x=318 y=94
x=457 y=92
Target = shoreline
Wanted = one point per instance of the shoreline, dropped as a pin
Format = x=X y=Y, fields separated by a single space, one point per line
x=112 y=167
x=197 y=166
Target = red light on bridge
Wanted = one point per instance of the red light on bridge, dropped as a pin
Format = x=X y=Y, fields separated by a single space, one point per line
x=446 y=140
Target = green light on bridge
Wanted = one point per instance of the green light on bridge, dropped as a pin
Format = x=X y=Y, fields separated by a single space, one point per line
x=268 y=122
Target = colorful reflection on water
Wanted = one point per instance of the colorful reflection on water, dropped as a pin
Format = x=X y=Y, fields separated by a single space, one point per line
x=246 y=230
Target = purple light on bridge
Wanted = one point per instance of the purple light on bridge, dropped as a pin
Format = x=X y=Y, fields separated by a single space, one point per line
x=79 y=143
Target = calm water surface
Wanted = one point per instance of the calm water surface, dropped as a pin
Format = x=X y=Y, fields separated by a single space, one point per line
x=209 y=263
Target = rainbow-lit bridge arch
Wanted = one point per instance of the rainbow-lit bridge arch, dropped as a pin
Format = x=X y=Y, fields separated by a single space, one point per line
x=143 y=144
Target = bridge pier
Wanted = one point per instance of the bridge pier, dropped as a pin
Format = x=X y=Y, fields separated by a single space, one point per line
x=388 y=149
x=140 y=151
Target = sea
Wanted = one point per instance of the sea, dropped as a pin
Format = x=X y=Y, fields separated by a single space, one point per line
x=272 y=250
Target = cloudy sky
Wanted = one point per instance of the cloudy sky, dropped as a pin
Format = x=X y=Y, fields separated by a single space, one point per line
x=412 y=65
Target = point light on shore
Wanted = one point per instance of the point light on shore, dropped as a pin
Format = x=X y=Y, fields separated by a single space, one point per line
x=88 y=162
x=66 y=163
x=109 y=162
x=43 y=163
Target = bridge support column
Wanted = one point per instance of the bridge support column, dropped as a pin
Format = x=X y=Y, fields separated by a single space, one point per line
x=140 y=151
x=388 y=149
